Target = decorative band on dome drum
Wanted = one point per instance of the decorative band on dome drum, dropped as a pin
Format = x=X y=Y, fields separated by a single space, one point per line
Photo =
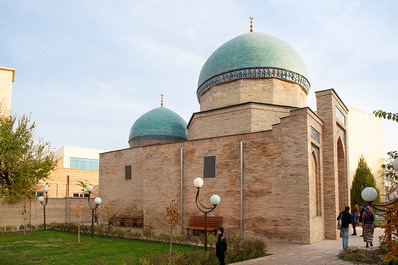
x=257 y=72
x=168 y=138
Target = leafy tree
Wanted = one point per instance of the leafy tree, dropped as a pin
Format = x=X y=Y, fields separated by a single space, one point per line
x=363 y=178
x=390 y=231
x=390 y=174
x=23 y=161
x=386 y=115
x=389 y=171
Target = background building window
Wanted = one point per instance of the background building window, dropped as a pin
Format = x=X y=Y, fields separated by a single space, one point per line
x=127 y=173
x=80 y=195
x=84 y=163
x=209 y=167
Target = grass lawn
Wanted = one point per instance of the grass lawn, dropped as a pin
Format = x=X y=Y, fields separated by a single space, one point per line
x=56 y=247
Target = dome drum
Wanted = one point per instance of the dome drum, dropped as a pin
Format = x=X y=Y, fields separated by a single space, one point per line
x=154 y=139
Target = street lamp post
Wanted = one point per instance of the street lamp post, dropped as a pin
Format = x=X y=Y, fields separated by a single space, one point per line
x=44 y=202
x=369 y=194
x=214 y=200
x=97 y=201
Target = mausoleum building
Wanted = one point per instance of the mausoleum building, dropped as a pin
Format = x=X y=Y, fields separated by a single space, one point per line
x=280 y=168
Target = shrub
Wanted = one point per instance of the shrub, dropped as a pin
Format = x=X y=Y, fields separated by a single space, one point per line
x=180 y=238
x=239 y=249
x=135 y=234
x=148 y=234
x=164 y=237
x=118 y=232
x=363 y=256
x=102 y=230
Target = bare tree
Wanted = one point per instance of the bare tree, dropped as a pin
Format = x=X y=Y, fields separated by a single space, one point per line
x=173 y=218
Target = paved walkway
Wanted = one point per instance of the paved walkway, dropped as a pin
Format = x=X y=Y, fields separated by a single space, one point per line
x=324 y=252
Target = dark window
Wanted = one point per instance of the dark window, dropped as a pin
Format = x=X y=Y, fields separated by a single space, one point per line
x=209 y=167
x=80 y=195
x=127 y=173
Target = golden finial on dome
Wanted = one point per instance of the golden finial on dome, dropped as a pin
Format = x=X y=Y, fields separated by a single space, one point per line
x=251 y=23
x=161 y=100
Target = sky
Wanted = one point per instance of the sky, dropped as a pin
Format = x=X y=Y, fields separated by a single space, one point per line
x=87 y=70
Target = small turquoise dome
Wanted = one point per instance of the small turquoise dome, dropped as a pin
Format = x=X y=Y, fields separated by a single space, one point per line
x=253 y=55
x=160 y=124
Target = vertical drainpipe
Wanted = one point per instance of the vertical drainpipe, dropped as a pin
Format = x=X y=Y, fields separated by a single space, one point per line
x=242 y=186
x=182 y=188
x=67 y=186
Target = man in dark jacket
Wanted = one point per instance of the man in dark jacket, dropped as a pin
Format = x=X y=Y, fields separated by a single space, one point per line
x=346 y=220
x=221 y=245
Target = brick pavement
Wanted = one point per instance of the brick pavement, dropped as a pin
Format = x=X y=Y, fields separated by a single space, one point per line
x=324 y=252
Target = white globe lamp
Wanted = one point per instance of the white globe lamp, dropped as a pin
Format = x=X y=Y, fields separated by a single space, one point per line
x=97 y=200
x=369 y=194
x=215 y=199
x=395 y=164
x=198 y=182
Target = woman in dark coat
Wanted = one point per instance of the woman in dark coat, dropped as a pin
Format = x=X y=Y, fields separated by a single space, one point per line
x=221 y=245
x=368 y=226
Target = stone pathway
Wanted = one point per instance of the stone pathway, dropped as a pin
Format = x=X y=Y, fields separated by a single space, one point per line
x=324 y=252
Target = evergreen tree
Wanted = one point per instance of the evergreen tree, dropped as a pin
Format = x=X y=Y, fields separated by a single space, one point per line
x=363 y=178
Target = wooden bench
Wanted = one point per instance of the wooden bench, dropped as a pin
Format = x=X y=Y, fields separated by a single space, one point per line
x=197 y=223
x=126 y=220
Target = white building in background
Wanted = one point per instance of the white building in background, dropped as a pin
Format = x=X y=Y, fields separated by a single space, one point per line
x=74 y=164
x=78 y=158
x=365 y=137
x=6 y=79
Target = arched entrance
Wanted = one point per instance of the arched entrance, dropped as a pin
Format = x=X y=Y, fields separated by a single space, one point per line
x=342 y=175
x=317 y=184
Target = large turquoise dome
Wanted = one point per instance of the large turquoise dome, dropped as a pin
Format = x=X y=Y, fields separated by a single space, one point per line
x=160 y=124
x=253 y=55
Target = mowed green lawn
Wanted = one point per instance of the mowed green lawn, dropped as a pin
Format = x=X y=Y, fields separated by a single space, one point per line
x=56 y=247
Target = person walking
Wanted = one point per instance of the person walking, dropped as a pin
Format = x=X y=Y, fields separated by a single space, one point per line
x=346 y=220
x=221 y=245
x=368 y=226
x=354 y=221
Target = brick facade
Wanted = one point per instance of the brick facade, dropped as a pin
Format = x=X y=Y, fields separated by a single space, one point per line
x=63 y=182
x=284 y=181
x=58 y=210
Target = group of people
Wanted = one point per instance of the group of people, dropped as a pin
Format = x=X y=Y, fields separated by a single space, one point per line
x=358 y=215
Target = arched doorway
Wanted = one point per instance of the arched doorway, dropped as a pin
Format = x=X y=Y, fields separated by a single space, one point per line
x=317 y=184
x=342 y=175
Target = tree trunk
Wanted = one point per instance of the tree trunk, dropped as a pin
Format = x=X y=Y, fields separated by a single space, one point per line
x=171 y=240
x=78 y=232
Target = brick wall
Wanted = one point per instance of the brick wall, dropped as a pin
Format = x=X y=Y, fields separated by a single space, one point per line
x=336 y=188
x=58 y=181
x=277 y=193
x=58 y=210
x=237 y=119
